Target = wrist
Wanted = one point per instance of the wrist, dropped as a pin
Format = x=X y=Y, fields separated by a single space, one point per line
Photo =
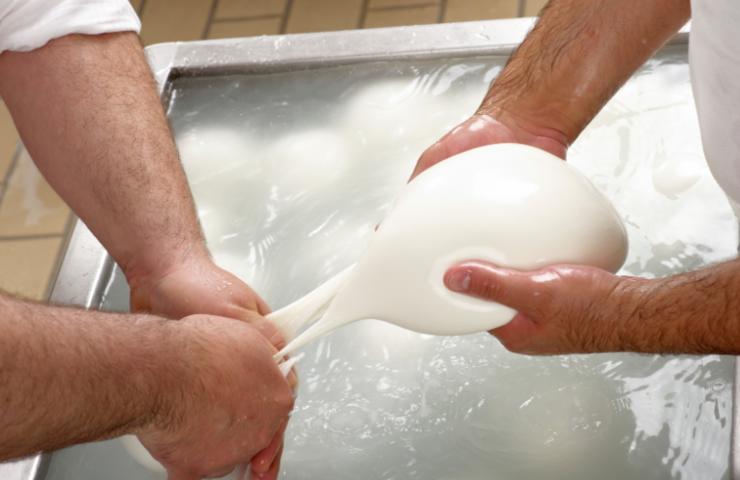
x=164 y=377
x=523 y=130
x=141 y=270
x=632 y=322
x=541 y=116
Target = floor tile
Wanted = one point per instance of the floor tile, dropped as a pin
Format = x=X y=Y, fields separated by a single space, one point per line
x=464 y=10
x=8 y=140
x=249 y=8
x=532 y=7
x=28 y=265
x=402 y=16
x=245 y=28
x=324 y=15
x=401 y=3
x=29 y=205
x=168 y=21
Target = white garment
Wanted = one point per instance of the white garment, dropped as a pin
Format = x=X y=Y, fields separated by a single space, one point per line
x=29 y=24
x=714 y=54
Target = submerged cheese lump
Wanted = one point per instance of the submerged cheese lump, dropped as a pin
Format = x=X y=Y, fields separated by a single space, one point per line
x=307 y=160
x=394 y=110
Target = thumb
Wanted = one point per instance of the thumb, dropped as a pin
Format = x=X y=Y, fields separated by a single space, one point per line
x=487 y=281
x=430 y=157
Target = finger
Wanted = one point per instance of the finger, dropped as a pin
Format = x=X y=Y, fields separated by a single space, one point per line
x=516 y=334
x=292 y=379
x=264 y=459
x=262 y=307
x=268 y=330
x=430 y=157
x=274 y=471
x=521 y=291
x=474 y=132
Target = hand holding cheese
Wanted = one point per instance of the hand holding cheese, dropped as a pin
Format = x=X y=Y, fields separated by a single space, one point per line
x=512 y=205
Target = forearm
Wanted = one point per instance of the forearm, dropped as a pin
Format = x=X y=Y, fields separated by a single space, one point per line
x=696 y=312
x=577 y=56
x=88 y=112
x=70 y=376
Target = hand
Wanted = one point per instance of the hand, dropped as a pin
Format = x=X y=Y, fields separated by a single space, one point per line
x=490 y=128
x=197 y=285
x=229 y=403
x=561 y=309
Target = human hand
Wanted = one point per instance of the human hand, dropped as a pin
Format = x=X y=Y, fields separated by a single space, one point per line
x=487 y=128
x=228 y=402
x=561 y=309
x=199 y=286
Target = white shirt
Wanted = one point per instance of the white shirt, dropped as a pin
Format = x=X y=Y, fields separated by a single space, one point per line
x=29 y=24
x=714 y=55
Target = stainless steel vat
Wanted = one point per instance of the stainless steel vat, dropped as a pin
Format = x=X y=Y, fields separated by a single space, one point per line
x=87 y=274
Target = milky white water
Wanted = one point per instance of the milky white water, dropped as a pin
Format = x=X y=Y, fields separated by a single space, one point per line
x=378 y=402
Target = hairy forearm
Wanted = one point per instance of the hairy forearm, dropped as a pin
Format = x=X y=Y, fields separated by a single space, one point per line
x=577 y=56
x=696 y=312
x=87 y=110
x=70 y=376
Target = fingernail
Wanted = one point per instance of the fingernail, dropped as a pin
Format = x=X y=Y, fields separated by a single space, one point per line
x=458 y=280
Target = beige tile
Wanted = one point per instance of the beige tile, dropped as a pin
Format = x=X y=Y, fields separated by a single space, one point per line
x=532 y=7
x=245 y=28
x=324 y=15
x=137 y=5
x=29 y=205
x=464 y=10
x=8 y=140
x=249 y=8
x=26 y=266
x=402 y=16
x=401 y=3
x=169 y=21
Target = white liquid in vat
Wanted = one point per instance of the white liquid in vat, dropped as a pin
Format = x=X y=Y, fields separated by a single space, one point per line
x=307 y=160
x=379 y=402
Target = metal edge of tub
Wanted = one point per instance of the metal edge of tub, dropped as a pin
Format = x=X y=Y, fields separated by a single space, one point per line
x=86 y=267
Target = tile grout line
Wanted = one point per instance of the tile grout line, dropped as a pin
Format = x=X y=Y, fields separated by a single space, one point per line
x=40 y=236
x=391 y=8
x=442 y=11
x=521 y=8
x=70 y=224
x=209 y=20
x=286 y=14
x=50 y=280
x=267 y=16
x=363 y=13
x=13 y=163
x=66 y=237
